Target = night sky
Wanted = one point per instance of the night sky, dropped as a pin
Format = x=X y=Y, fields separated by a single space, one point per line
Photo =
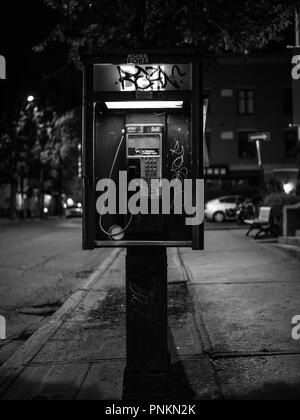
x=24 y=24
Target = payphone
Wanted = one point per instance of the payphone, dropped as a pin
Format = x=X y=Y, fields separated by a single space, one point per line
x=144 y=151
x=144 y=123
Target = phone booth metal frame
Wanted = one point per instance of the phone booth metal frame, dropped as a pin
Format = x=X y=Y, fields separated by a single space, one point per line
x=93 y=95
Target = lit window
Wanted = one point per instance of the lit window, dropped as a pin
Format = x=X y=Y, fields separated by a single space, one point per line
x=246 y=102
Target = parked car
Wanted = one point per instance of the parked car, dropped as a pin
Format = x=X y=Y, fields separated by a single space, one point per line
x=73 y=210
x=223 y=208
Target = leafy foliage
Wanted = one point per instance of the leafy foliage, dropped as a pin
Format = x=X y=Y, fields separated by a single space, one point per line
x=66 y=137
x=40 y=140
x=213 y=26
x=277 y=201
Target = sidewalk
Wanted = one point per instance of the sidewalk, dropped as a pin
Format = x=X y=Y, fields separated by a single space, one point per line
x=246 y=295
x=230 y=311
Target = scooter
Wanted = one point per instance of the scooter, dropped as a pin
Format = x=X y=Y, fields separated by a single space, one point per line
x=244 y=211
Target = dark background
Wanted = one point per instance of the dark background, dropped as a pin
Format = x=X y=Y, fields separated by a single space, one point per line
x=46 y=75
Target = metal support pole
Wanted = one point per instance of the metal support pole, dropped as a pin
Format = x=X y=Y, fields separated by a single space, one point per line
x=260 y=164
x=148 y=361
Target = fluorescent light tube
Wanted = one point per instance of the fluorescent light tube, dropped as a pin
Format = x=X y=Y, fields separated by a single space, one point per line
x=145 y=105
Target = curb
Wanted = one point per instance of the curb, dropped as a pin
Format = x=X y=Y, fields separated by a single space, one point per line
x=14 y=366
x=175 y=258
x=293 y=251
x=203 y=334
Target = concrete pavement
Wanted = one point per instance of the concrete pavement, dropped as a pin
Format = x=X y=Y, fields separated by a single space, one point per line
x=246 y=295
x=230 y=312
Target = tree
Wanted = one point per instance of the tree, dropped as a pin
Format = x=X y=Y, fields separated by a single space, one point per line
x=8 y=164
x=16 y=140
x=39 y=145
x=212 y=26
x=67 y=140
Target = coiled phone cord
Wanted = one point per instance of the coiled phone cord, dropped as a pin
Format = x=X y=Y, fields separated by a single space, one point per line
x=110 y=235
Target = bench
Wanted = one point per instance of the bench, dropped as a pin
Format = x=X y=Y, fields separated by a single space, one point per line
x=264 y=223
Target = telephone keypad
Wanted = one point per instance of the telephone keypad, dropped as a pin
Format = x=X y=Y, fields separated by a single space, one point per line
x=151 y=168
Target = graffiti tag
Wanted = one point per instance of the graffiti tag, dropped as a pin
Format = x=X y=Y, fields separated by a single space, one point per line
x=178 y=170
x=141 y=301
x=152 y=77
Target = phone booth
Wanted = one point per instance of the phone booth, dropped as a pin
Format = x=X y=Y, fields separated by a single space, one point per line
x=143 y=186
x=143 y=151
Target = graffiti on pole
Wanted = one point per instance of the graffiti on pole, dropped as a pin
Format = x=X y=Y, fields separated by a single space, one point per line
x=141 y=301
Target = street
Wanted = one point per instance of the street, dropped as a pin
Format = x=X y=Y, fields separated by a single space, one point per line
x=41 y=264
x=230 y=313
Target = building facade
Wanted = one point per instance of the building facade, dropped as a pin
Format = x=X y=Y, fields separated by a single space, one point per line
x=250 y=94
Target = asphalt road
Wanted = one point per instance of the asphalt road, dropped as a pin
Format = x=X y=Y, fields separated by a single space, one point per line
x=228 y=225
x=41 y=264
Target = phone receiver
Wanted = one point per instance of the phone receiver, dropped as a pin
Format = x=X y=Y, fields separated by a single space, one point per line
x=131 y=173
